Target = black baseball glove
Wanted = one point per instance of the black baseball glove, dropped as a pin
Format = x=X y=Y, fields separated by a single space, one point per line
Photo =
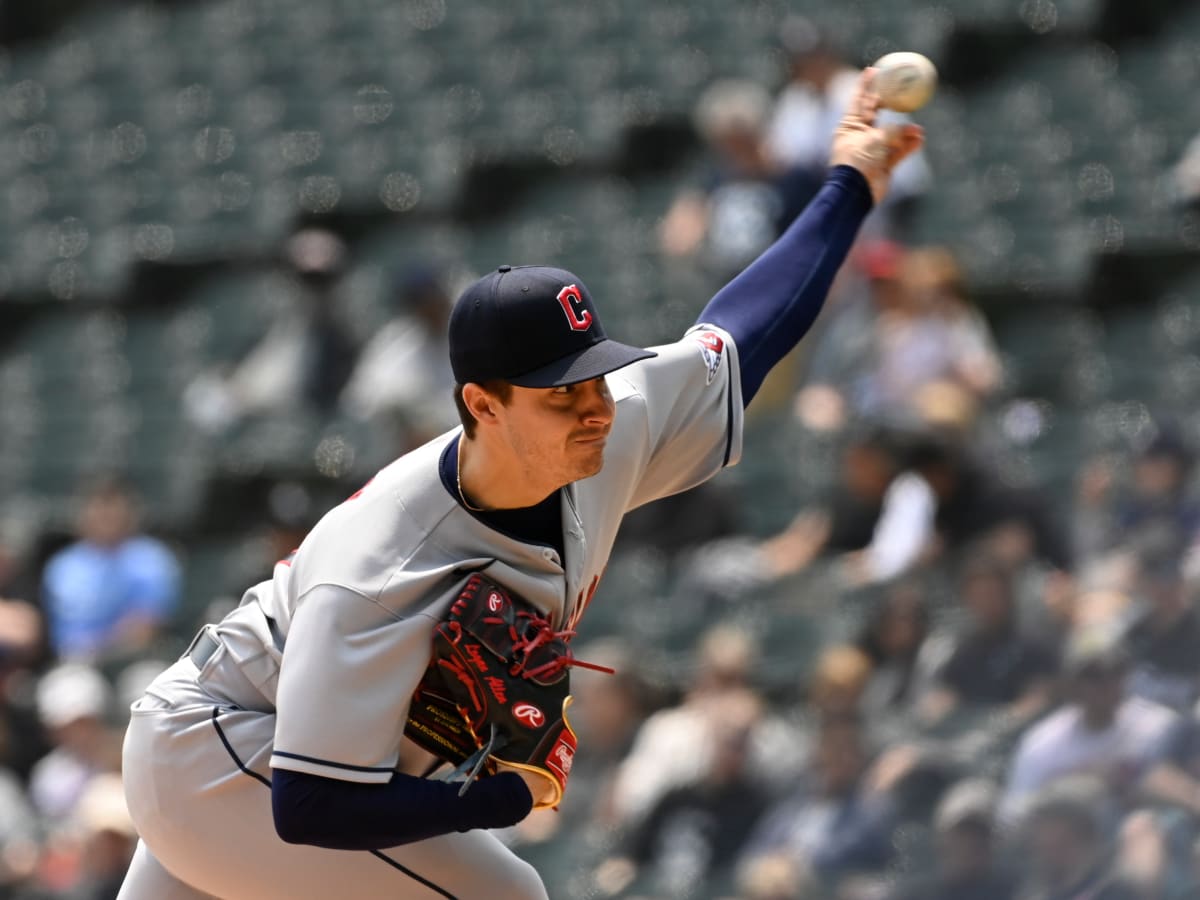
x=496 y=692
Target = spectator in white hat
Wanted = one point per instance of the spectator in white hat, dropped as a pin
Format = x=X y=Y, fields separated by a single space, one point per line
x=73 y=704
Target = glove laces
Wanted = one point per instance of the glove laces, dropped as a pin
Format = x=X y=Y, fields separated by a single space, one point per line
x=538 y=633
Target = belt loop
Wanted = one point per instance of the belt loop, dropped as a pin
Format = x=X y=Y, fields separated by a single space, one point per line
x=203 y=646
x=194 y=641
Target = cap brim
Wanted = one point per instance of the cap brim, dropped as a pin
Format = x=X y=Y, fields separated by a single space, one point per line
x=591 y=362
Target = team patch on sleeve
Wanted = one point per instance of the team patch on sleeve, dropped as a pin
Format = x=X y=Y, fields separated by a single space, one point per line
x=712 y=350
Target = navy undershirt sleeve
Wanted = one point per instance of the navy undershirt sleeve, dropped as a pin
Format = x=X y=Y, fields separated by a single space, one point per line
x=773 y=302
x=348 y=815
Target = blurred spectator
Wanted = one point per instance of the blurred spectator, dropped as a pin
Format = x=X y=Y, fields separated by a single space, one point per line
x=17 y=575
x=280 y=522
x=896 y=640
x=944 y=501
x=1156 y=512
x=836 y=821
x=73 y=703
x=304 y=359
x=847 y=519
x=1165 y=635
x=913 y=351
x=1174 y=781
x=777 y=878
x=403 y=374
x=22 y=640
x=22 y=742
x=840 y=381
x=675 y=746
x=1069 y=845
x=1157 y=842
x=1101 y=730
x=992 y=663
x=1185 y=174
x=966 y=860
x=605 y=716
x=838 y=683
x=973 y=506
x=689 y=520
x=291 y=513
x=967 y=358
x=107 y=840
x=746 y=199
x=20 y=836
x=110 y=592
x=820 y=83
x=1152 y=855
x=698 y=829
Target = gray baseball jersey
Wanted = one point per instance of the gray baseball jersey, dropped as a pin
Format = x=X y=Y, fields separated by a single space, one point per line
x=324 y=657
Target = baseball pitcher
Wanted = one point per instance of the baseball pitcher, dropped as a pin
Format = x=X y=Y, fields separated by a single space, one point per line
x=399 y=686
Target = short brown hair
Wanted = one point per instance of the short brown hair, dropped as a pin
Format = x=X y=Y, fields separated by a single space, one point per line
x=495 y=386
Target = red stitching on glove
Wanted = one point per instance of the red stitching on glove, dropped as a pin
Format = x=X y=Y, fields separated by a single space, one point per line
x=460 y=672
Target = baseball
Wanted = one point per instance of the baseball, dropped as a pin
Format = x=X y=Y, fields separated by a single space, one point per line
x=904 y=81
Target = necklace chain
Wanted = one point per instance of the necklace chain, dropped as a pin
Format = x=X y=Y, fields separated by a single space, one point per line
x=458 y=481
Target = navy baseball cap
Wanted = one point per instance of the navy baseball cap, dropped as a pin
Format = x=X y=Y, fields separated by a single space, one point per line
x=532 y=326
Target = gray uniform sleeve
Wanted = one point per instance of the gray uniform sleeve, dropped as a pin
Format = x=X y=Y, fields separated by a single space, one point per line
x=349 y=671
x=689 y=401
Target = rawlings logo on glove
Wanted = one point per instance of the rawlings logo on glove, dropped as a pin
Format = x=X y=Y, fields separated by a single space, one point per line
x=496 y=692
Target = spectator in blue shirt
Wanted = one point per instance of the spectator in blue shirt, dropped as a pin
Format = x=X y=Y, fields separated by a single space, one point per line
x=109 y=593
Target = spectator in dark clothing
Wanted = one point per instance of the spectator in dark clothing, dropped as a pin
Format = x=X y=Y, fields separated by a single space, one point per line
x=303 y=360
x=966 y=864
x=402 y=376
x=318 y=259
x=1161 y=512
x=683 y=521
x=992 y=662
x=22 y=642
x=845 y=522
x=895 y=639
x=1069 y=845
x=1164 y=638
x=944 y=501
x=838 y=821
x=867 y=467
x=974 y=504
x=1154 y=513
x=18 y=575
x=698 y=829
x=747 y=198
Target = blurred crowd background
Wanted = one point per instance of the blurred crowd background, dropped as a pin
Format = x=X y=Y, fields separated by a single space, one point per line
x=936 y=637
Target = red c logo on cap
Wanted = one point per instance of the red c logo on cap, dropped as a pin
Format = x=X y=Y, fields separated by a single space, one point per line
x=569 y=298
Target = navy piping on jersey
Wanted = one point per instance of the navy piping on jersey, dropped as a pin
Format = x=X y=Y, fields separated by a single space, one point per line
x=333 y=765
x=259 y=778
x=728 y=422
x=229 y=749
